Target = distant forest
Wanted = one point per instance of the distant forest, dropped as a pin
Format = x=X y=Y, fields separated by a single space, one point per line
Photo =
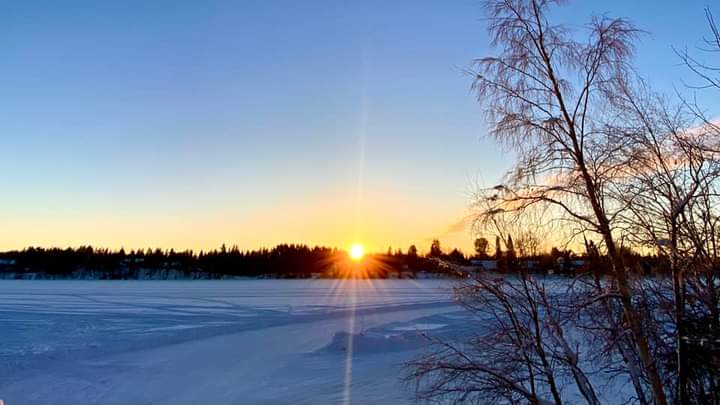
x=291 y=261
x=282 y=261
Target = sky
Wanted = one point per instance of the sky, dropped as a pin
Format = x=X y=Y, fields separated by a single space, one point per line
x=252 y=123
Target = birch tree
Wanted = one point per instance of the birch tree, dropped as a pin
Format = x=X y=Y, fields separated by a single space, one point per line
x=545 y=96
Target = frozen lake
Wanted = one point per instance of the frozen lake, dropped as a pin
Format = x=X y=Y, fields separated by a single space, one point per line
x=219 y=342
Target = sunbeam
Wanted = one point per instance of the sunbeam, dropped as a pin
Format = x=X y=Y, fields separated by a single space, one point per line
x=347 y=382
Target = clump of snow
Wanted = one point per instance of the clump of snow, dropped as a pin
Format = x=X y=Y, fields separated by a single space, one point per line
x=370 y=343
x=420 y=326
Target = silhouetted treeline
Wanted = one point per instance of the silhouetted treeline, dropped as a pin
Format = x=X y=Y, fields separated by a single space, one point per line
x=283 y=261
x=300 y=261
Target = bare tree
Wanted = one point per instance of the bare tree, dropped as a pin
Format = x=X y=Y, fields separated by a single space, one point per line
x=708 y=72
x=523 y=353
x=527 y=244
x=672 y=164
x=546 y=96
x=612 y=163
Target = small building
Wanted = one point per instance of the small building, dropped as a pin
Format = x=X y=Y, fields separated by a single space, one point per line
x=578 y=263
x=488 y=265
x=422 y=274
x=570 y=265
x=531 y=264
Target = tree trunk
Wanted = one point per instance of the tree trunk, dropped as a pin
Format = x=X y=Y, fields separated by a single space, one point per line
x=678 y=290
x=632 y=317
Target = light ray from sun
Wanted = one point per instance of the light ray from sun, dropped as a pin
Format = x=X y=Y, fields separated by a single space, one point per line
x=347 y=383
x=357 y=269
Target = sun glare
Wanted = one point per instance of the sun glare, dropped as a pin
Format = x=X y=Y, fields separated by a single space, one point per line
x=357 y=251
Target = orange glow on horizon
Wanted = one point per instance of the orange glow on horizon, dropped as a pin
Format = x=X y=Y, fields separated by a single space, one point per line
x=384 y=218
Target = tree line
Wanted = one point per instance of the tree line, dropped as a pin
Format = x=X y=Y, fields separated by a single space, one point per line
x=284 y=260
x=302 y=261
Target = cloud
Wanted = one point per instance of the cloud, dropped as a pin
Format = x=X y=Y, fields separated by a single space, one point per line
x=459 y=226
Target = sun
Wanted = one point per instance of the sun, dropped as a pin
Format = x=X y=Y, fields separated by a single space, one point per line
x=357 y=251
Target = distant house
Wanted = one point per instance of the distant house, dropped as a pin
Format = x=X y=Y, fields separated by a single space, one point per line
x=393 y=275
x=531 y=264
x=487 y=265
x=571 y=264
x=578 y=263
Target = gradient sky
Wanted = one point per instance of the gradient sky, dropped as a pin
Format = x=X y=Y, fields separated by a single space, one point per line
x=187 y=124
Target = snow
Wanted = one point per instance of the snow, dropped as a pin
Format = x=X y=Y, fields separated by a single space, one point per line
x=421 y=326
x=219 y=342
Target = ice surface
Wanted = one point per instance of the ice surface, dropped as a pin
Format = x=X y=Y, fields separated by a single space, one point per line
x=218 y=342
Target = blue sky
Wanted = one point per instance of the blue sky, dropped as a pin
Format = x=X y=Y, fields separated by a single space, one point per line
x=190 y=124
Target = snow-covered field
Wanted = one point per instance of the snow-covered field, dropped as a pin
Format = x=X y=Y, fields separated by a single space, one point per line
x=216 y=342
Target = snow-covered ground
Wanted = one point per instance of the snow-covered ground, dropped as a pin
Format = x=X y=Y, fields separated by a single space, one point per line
x=216 y=342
